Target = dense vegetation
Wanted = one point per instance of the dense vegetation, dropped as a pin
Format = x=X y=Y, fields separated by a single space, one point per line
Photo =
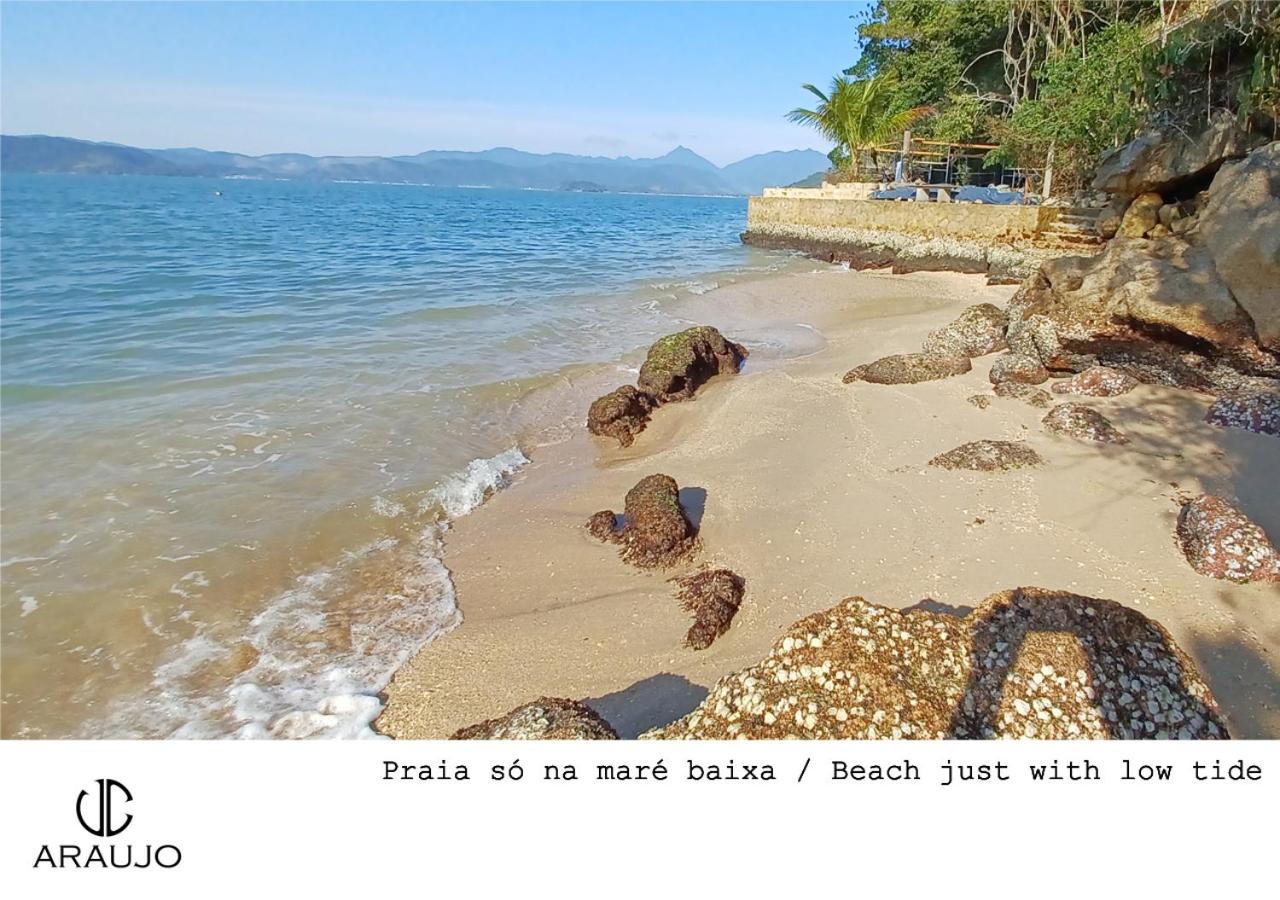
x=1078 y=76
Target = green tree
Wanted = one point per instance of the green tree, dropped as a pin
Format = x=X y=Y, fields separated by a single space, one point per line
x=856 y=116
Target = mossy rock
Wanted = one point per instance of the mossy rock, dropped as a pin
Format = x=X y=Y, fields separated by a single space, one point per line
x=680 y=363
x=909 y=368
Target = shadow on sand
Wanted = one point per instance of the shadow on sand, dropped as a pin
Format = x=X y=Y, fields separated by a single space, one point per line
x=658 y=700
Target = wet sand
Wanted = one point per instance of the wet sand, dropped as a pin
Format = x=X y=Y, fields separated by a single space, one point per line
x=813 y=490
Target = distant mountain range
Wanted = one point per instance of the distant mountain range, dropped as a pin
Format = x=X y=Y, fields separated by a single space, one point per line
x=679 y=172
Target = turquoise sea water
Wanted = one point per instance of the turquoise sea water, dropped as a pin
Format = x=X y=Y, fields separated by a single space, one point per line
x=237 y=413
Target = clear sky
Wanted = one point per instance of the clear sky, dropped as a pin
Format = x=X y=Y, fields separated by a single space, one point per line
x=393 y=78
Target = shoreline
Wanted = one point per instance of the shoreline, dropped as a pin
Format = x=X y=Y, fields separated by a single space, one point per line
x=813 y=491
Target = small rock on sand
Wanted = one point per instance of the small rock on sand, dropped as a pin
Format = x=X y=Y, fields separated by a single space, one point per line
x=545 y=719
x=620 y=414
x=655 y=531
x=1017 y=367
x=1221 y=541
x=1097 y=381
x=988 y=456
x=1256 y=411
x=713 y=597
x=1027 y=393
x=982 y=401
x=1079 y=421
x=909 y=368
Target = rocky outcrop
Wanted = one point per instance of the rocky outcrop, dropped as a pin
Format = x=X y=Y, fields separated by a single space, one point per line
x=1240 y=226
x=1256 y=411
x=1082 y=423
x=545 y=719
x=655 y=531
x=909 y=368
x=712 y=596
x=1097 y=381
x=679 y=364
x=1027 y=393
x=1017 y=368
x=674 y=369
x=978 y=331
x=1164 y=159
x=1025 y=663
x=1142 y=215
x=1192 y=305
x=620 y=414
x=1222 y=542
x=988 y=456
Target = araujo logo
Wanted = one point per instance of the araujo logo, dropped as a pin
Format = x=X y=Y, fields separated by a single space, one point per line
x=107 y=787
x=101 y=813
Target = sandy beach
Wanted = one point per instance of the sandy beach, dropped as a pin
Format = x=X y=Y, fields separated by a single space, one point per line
x=813 y=490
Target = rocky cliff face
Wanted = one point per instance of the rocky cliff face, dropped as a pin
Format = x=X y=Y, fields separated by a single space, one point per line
x=1187 y=294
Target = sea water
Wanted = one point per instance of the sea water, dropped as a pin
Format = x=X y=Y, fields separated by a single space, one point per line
x=238 y=416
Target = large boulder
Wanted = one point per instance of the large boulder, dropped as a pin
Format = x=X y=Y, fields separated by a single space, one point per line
x=1025 y=663
x=620 y=414
x=978 y=331
x=1165 y=159
x=545 y=719
x=1222 y=542
x=655 y=531
x=1240 y=226
x=908 y=368
x=679 y=364
x=1156 y=309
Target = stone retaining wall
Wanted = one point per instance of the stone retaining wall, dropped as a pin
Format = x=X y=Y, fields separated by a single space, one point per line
x=974 y=221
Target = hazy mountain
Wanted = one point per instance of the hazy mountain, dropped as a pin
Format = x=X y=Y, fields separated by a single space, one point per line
x=776 y=169
x=679 y=172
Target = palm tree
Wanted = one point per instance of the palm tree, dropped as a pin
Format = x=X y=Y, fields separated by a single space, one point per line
x=855 y=116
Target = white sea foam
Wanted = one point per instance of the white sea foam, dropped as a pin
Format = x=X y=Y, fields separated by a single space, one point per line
x=322 y=650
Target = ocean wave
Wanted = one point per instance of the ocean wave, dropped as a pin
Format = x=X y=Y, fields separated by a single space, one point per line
x=312 y=661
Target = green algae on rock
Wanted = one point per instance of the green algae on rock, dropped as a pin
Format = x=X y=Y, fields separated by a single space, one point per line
x=678 y=364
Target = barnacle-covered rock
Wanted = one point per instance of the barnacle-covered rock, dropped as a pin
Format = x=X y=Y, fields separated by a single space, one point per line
x=1221 y=541
x=1017 y=367
x=1025 y=663
x=1097 y=381
x=988 y=456
x=1256 y=411
x=1027 y=393
x=1083 y=423
x=978 y=331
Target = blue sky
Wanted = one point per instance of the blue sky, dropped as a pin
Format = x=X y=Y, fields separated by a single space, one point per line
x=374 y=78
